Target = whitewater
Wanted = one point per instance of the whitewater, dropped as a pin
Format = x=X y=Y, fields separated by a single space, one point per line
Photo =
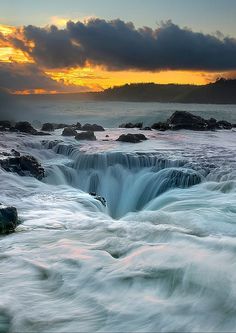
x=159 y=257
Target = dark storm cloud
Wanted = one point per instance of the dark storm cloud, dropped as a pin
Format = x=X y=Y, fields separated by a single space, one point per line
x=117 y=45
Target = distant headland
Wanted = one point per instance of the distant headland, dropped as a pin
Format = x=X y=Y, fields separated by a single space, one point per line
x=223 y=91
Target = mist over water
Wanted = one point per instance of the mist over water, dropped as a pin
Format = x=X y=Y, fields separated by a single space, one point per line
x=160 y=257
x=111 y=114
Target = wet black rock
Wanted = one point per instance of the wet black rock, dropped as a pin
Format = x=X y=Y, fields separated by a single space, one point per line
x=132 y=138
x=211 y=124
x=78 y=126
x=186 y=120
x=25 y=127
x=131 y=125
x=69 y=131
x=223 y=124
x=89 y=135
x=8 y=219
x=30 y=165
x=23 y=165
x=15 y=153
x=48 y=127
x=5 y=125
x=147 y=128
x=92 y=127
x=99 y=198
x=160 y=126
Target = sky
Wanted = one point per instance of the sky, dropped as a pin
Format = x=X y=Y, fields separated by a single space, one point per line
x=97 y=44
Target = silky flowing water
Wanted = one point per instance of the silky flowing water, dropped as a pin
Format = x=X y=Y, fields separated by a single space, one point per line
x=160 y=257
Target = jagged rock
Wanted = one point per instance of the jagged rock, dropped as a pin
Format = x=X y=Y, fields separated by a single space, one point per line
x=89 y=135
x=69 y=131
x=15 y=153
x=223 y=124
x=5 y=125
x=25 y=127
x=211 y=124
x=131 y=125
x=32 y=166
x=160 y=126
x=48 y=127
x=186 y=120
x=94 y=128
x=8 y=219
x=99 y=198
x=78 y=126
x=23 y=165
x=132 y=138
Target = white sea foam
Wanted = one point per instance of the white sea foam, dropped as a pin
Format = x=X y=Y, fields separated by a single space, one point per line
x=159 y=257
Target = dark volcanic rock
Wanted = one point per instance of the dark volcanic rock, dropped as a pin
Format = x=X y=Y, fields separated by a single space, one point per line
x=69 y=131
x=160 y=126
x=99 y=198
x=131 y=125
x=147 y=128
x=30 y=165
x=8 y=219
x=25 y=127
x=211 y=123
x=48 y=127
x=15 y=153
x=23 y=165
x=223 y=124
x=89 y=135
x=94 y=128
x=132 y=138
x=5 y=125
x=78 y=126
x=186 y=120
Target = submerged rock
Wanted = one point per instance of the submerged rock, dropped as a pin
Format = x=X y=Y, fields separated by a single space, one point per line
x=93 y=127
x=8 y=219
x=99 y=198
x=132 y=138
x=69 y=131
x=89 y=135
x=24 y=166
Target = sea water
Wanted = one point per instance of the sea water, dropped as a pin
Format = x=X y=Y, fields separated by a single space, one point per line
x=159 y=257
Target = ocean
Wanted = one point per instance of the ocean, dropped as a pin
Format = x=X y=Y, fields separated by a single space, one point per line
x=158 y=257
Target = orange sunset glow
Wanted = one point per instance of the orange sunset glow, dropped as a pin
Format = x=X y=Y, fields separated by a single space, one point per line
x=94 y=78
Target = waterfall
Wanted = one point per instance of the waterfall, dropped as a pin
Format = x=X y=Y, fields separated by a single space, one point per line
x=128 y=181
